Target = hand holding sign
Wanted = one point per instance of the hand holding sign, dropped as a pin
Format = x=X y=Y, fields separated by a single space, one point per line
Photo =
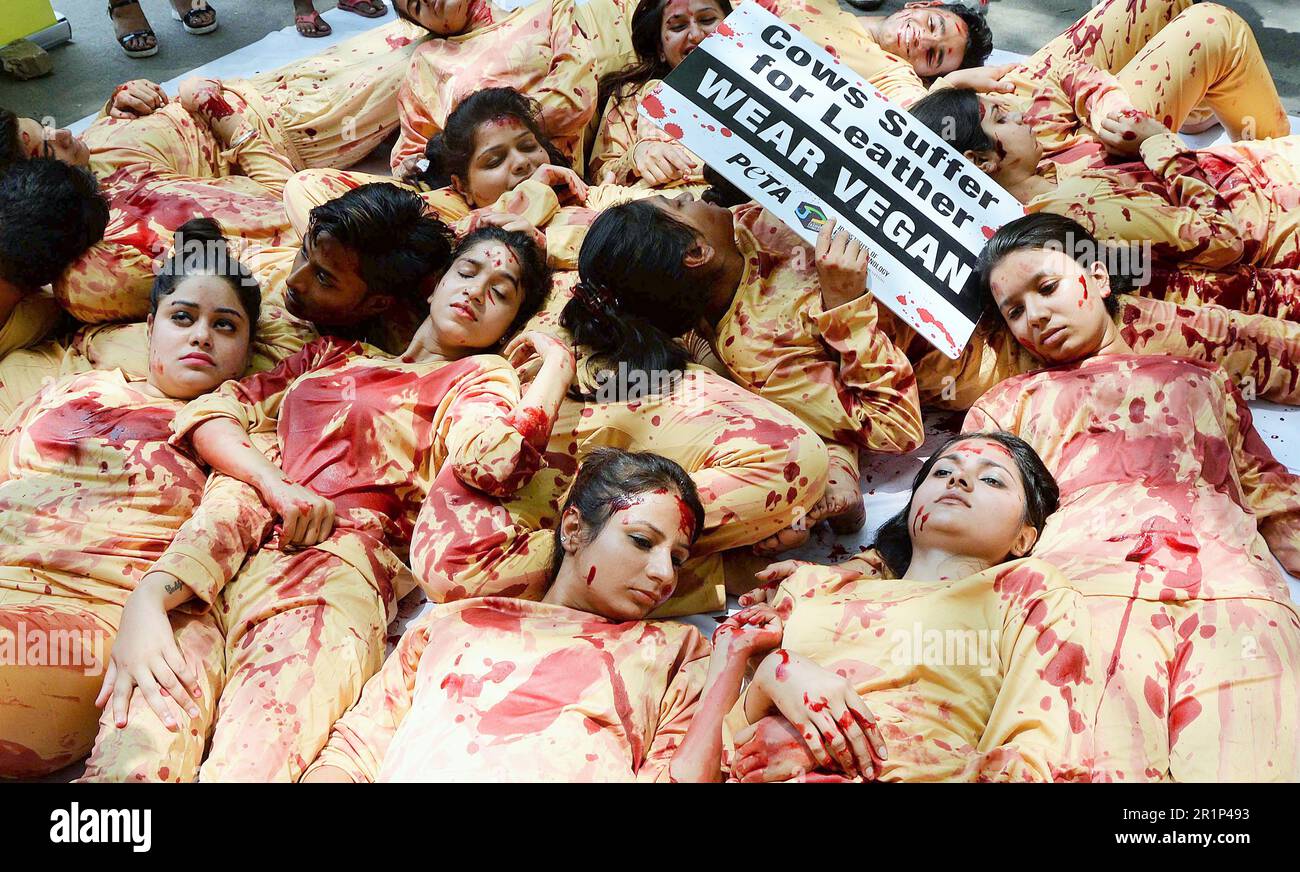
x=809 y=140
x=842 y=264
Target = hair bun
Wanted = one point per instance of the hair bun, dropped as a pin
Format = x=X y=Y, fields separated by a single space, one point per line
x=200 y=230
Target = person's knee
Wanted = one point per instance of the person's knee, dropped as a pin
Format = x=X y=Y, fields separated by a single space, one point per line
x=813 y=462
x=1210 y=24
x=48 y=718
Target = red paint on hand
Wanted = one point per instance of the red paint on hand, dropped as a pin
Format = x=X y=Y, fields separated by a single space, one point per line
x=781 y=671
x=216 y=107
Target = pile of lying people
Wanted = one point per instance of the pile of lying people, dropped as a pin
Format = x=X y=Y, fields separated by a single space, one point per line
x=562 y=379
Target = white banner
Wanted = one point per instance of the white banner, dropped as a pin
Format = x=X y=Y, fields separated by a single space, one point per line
x=804 y=136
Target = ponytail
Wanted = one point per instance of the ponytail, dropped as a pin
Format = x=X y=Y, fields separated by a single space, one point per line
x=633 y=296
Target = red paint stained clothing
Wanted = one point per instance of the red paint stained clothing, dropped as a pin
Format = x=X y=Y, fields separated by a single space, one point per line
x=93 y=492
x=370 y=432
x=537 y=49
x=1274 y=293
x=1259 y=353
x=327 y=110
x=1215 y=207
x=92 y=495
x=169 y=140
x=1163 y=57
x=333 y=108
x=1169 y=498
x=621 y=130
x=834 y=368
x=508 y=690
x=757 y=468
x=1171 y=444
x=111 y=281
x=304 y=628
x=986 y=678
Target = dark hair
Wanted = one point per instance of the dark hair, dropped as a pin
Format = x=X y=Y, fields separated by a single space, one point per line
x=954 y=115
x=534 y=274
x=397 y=242
x=450 y=152
x=200 y=249
x=979 y=37
x=1044 y=230
x=400 y=11
x=720 y=191
x=632 y=296
x=647 y=26
x=50 y=214
x=11 y=149
x=894 y=540
x=609 y=475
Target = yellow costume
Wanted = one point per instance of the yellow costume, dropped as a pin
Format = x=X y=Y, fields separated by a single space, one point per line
x=983 y=679
x=1163 y=57
x=756 y=466
x=1260 y=353
x=93 y=493
x=1249 y=289
x=548 y=50
x=1215 y=207
x=27 y=323
x=327 y=110
x=835 y=369
x=508 y=690
x=621 y=130
x=174 y=142
x=332 y=109
x=305 y=628
x=1170 y=505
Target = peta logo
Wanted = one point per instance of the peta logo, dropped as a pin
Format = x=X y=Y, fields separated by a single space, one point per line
x=90 y=825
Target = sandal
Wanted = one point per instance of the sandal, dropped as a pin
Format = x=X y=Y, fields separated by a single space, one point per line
x=376 y=7
x=189 y=20
x=318 y=26
x=126 y=38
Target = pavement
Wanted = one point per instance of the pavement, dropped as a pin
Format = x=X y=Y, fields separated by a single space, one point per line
x=89 y=67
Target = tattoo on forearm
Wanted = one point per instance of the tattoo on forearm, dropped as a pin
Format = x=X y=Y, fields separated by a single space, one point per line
x=172 y=586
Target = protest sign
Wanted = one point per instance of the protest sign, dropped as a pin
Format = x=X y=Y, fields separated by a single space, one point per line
x=804 y=136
